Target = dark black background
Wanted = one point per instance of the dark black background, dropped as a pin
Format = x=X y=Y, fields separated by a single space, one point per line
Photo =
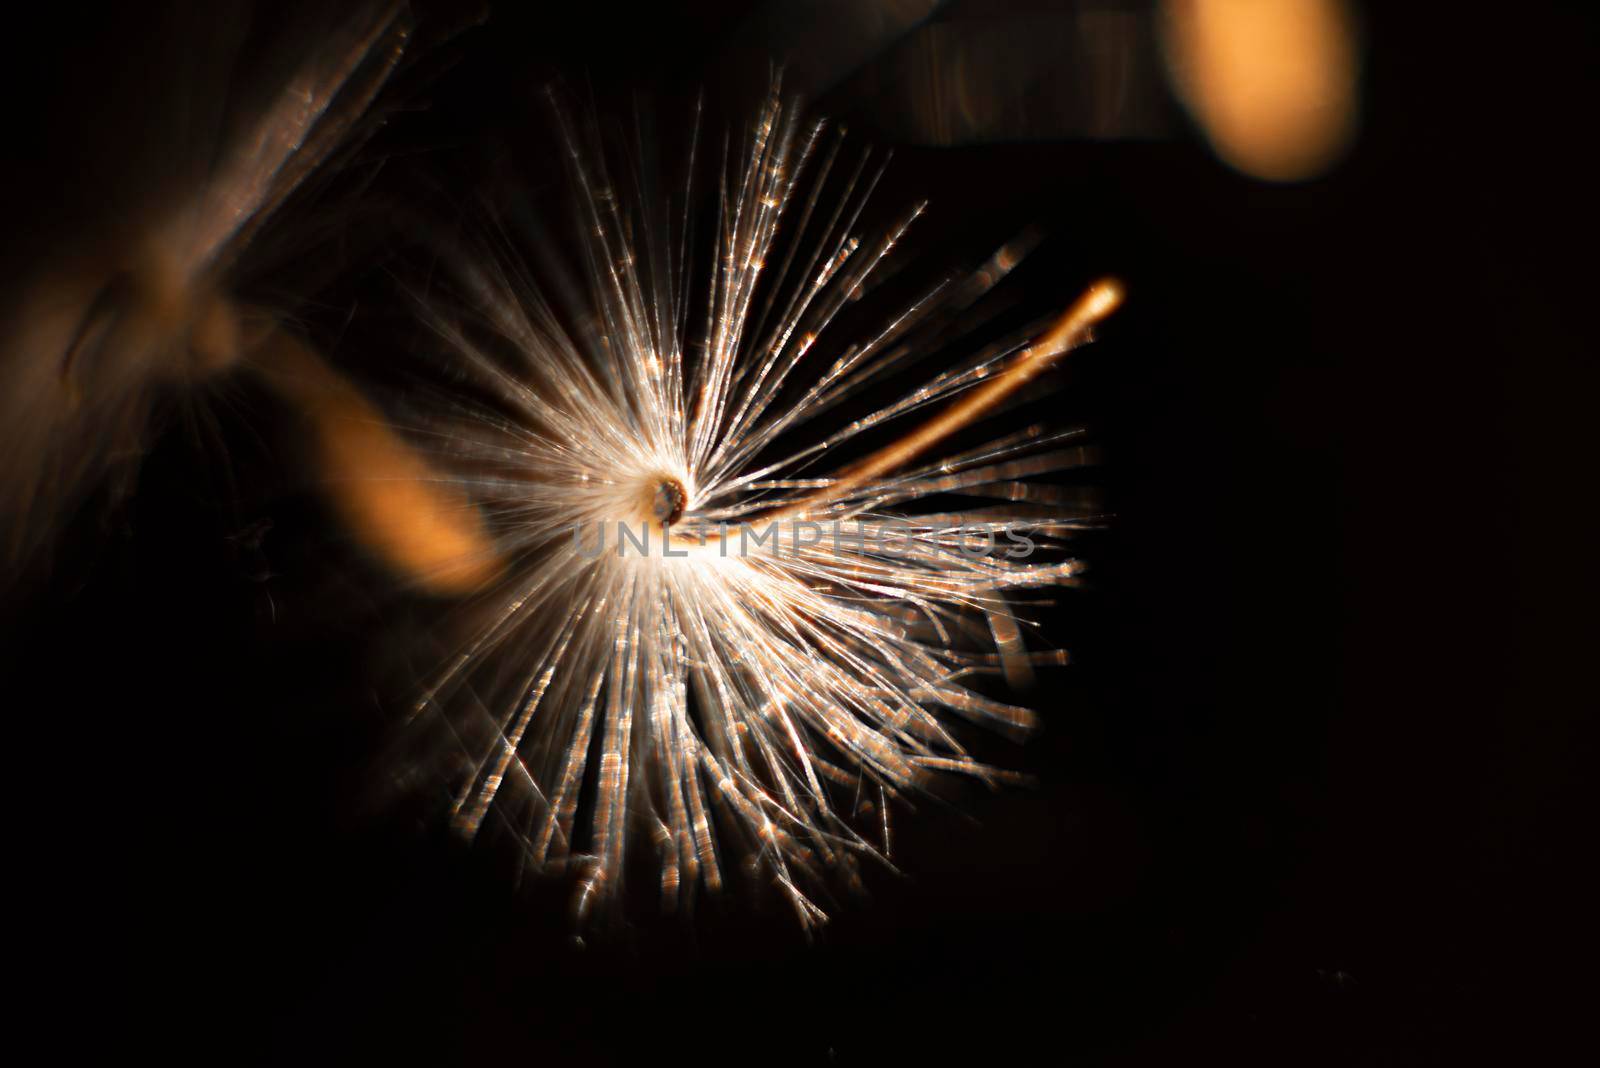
x=1308 y=796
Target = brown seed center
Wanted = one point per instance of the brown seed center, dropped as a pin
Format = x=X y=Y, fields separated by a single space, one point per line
x=668 y=501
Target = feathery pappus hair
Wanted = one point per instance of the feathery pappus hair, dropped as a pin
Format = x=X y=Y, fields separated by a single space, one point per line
x=638 y=683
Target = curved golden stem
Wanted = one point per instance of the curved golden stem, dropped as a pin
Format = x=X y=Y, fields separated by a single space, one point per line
x=1066 y=333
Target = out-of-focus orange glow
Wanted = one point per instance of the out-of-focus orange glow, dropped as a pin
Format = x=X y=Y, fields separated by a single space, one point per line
x=1273 y=82
x=392 y=501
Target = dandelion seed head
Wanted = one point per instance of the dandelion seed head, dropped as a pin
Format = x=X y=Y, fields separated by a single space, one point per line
x=708 y=646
